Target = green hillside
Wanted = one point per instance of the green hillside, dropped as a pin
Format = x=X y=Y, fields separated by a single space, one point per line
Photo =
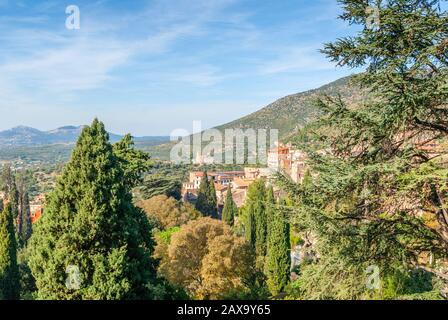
x=293 y=111
x=286 y=114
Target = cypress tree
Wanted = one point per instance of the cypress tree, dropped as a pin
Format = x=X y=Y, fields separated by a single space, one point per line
x=206 y=202
x=257 y=221
x=201 y=202
x=13 y=197
x=230 y=209
x=92 y=242
x=24 y=225
x=249 y=228
x=9 y=271
x=7 y=178
x=212 y=200
x=261 y=222
x=270 y=207
x=278 y=262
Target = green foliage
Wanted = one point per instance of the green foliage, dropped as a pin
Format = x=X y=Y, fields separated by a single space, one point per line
x=27 y=282
x=24 y=225
x=270 y=208
x=206 y=202
x=134 y=162
x=166 y=235
x=230 y=209
x=377 y=194
x=249 y=227
x=156 y=185
x=278 y=261
x=16 y=191
x=91 y=223
x=256 y=198
x=212 y=200
x=9 y=271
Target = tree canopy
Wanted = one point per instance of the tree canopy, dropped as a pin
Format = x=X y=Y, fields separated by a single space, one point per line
x=91 y=227
x=377 y=193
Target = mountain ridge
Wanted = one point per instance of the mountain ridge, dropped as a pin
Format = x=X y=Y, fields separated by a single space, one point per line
x=24 y=136
x=293 y=111
x=287 y=114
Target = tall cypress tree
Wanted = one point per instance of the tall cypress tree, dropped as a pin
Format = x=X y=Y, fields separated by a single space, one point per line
x=261 y=221
x=17 y=195
x=9 y=271
x=206 y=202
x=278 y=262
x=201 y=202
x=249 y=228
x=13 y=197
x=92 y=242
x=212 y=199
x=270 y=208
x=230 y=209
x=14 y=201
x=24 y=225
x=7 y=178
x=257 y=221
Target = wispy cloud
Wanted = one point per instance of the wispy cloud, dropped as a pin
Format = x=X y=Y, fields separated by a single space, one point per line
x=156 y=53
x=296 y=59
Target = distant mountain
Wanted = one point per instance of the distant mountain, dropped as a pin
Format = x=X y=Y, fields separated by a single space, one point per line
x=30 y=137
x=287 y=114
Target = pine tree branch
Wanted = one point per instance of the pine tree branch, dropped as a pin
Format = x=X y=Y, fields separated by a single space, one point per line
x=437 y=273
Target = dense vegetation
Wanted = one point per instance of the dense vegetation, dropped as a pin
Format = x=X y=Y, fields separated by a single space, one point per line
x=377 y=195
x=368 y=221
x=91 y=224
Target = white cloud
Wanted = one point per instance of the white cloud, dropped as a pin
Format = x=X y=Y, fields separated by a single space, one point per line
x=156 y=56
x=61 y=63
x=296 y=59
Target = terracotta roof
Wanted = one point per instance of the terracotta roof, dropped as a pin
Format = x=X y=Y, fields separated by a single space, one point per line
x=220 y=187
x=242 y=183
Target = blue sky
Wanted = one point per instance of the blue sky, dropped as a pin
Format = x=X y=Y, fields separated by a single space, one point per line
x=149 y=67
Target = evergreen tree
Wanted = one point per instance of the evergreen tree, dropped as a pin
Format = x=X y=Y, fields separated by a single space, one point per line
x=13 y=197
x=9 y=271
x=7 y=178
x=201 y=202
x=261 y=221
x=92 y=230
x=206 y=202
x=230 y=209
x=250 y=229
x=307 y=178
x=24 y=225
x=14 y=200
x=257 y=220
x=212 y=199
x=278 y=262
x=383 y=164
x=134 y=162
x=270 y=207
